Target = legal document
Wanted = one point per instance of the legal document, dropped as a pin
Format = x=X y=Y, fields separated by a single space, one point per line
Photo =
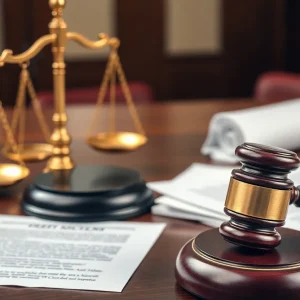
x=98 y=256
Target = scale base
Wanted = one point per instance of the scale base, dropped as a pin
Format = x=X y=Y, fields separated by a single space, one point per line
x=87 y=194
x=211 y=268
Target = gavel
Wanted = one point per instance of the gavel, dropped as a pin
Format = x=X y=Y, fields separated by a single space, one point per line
x=259 y=195
x=246 y=258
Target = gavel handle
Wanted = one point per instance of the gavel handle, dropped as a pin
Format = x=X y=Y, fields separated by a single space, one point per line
x=295 y=198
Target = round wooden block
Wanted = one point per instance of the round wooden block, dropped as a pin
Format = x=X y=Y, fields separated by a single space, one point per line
x=214 y=269
x=88 y=193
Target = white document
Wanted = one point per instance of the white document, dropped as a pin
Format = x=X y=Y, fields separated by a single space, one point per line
x=199 y=193
x=187 y=208
x=98 y=256
x=185 y=212
x=203 y=186
x=259 y=124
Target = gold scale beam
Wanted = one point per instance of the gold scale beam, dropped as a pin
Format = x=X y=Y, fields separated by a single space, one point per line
x=60 y=138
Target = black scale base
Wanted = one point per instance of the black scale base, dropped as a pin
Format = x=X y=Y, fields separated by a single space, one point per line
x=87 y=194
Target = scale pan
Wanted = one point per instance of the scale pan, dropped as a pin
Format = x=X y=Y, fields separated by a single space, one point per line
x=117 y=141
x=11 y=174
x=30 y=152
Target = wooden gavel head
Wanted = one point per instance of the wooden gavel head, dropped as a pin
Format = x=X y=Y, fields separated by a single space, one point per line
x=258 y=196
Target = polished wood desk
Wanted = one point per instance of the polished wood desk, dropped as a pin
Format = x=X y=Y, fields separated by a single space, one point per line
x=176 y=131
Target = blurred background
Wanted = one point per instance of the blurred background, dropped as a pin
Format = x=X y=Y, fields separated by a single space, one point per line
x=170 y=49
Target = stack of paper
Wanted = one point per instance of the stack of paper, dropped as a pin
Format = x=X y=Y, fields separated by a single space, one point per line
x=227 y=130
x=199 y=194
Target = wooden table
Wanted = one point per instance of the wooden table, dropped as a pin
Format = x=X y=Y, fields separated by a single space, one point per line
x=176 y=131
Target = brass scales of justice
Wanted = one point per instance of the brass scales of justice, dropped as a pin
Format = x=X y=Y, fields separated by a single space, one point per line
x=65 y=191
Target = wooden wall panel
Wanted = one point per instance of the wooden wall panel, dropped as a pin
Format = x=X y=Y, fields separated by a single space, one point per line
x=250 y=48
x=253 y=37
x=17 y=32
x=251 y=43
x=140 y=28
x=192 y=27
x=293 y=36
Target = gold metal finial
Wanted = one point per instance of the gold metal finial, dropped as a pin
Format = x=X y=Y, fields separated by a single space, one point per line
x=57 y=6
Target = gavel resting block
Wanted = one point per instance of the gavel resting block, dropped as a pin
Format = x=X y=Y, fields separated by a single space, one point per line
x=248 y=257
x=212 y=268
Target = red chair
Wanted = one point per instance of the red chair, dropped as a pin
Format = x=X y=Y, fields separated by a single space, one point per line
x=276 y=87
x=141 y=93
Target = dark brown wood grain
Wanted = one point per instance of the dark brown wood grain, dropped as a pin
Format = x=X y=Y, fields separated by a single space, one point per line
x=219 y=270
x=265 y=166
x=253 y=38
x=176 y=132
x=17 y=36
